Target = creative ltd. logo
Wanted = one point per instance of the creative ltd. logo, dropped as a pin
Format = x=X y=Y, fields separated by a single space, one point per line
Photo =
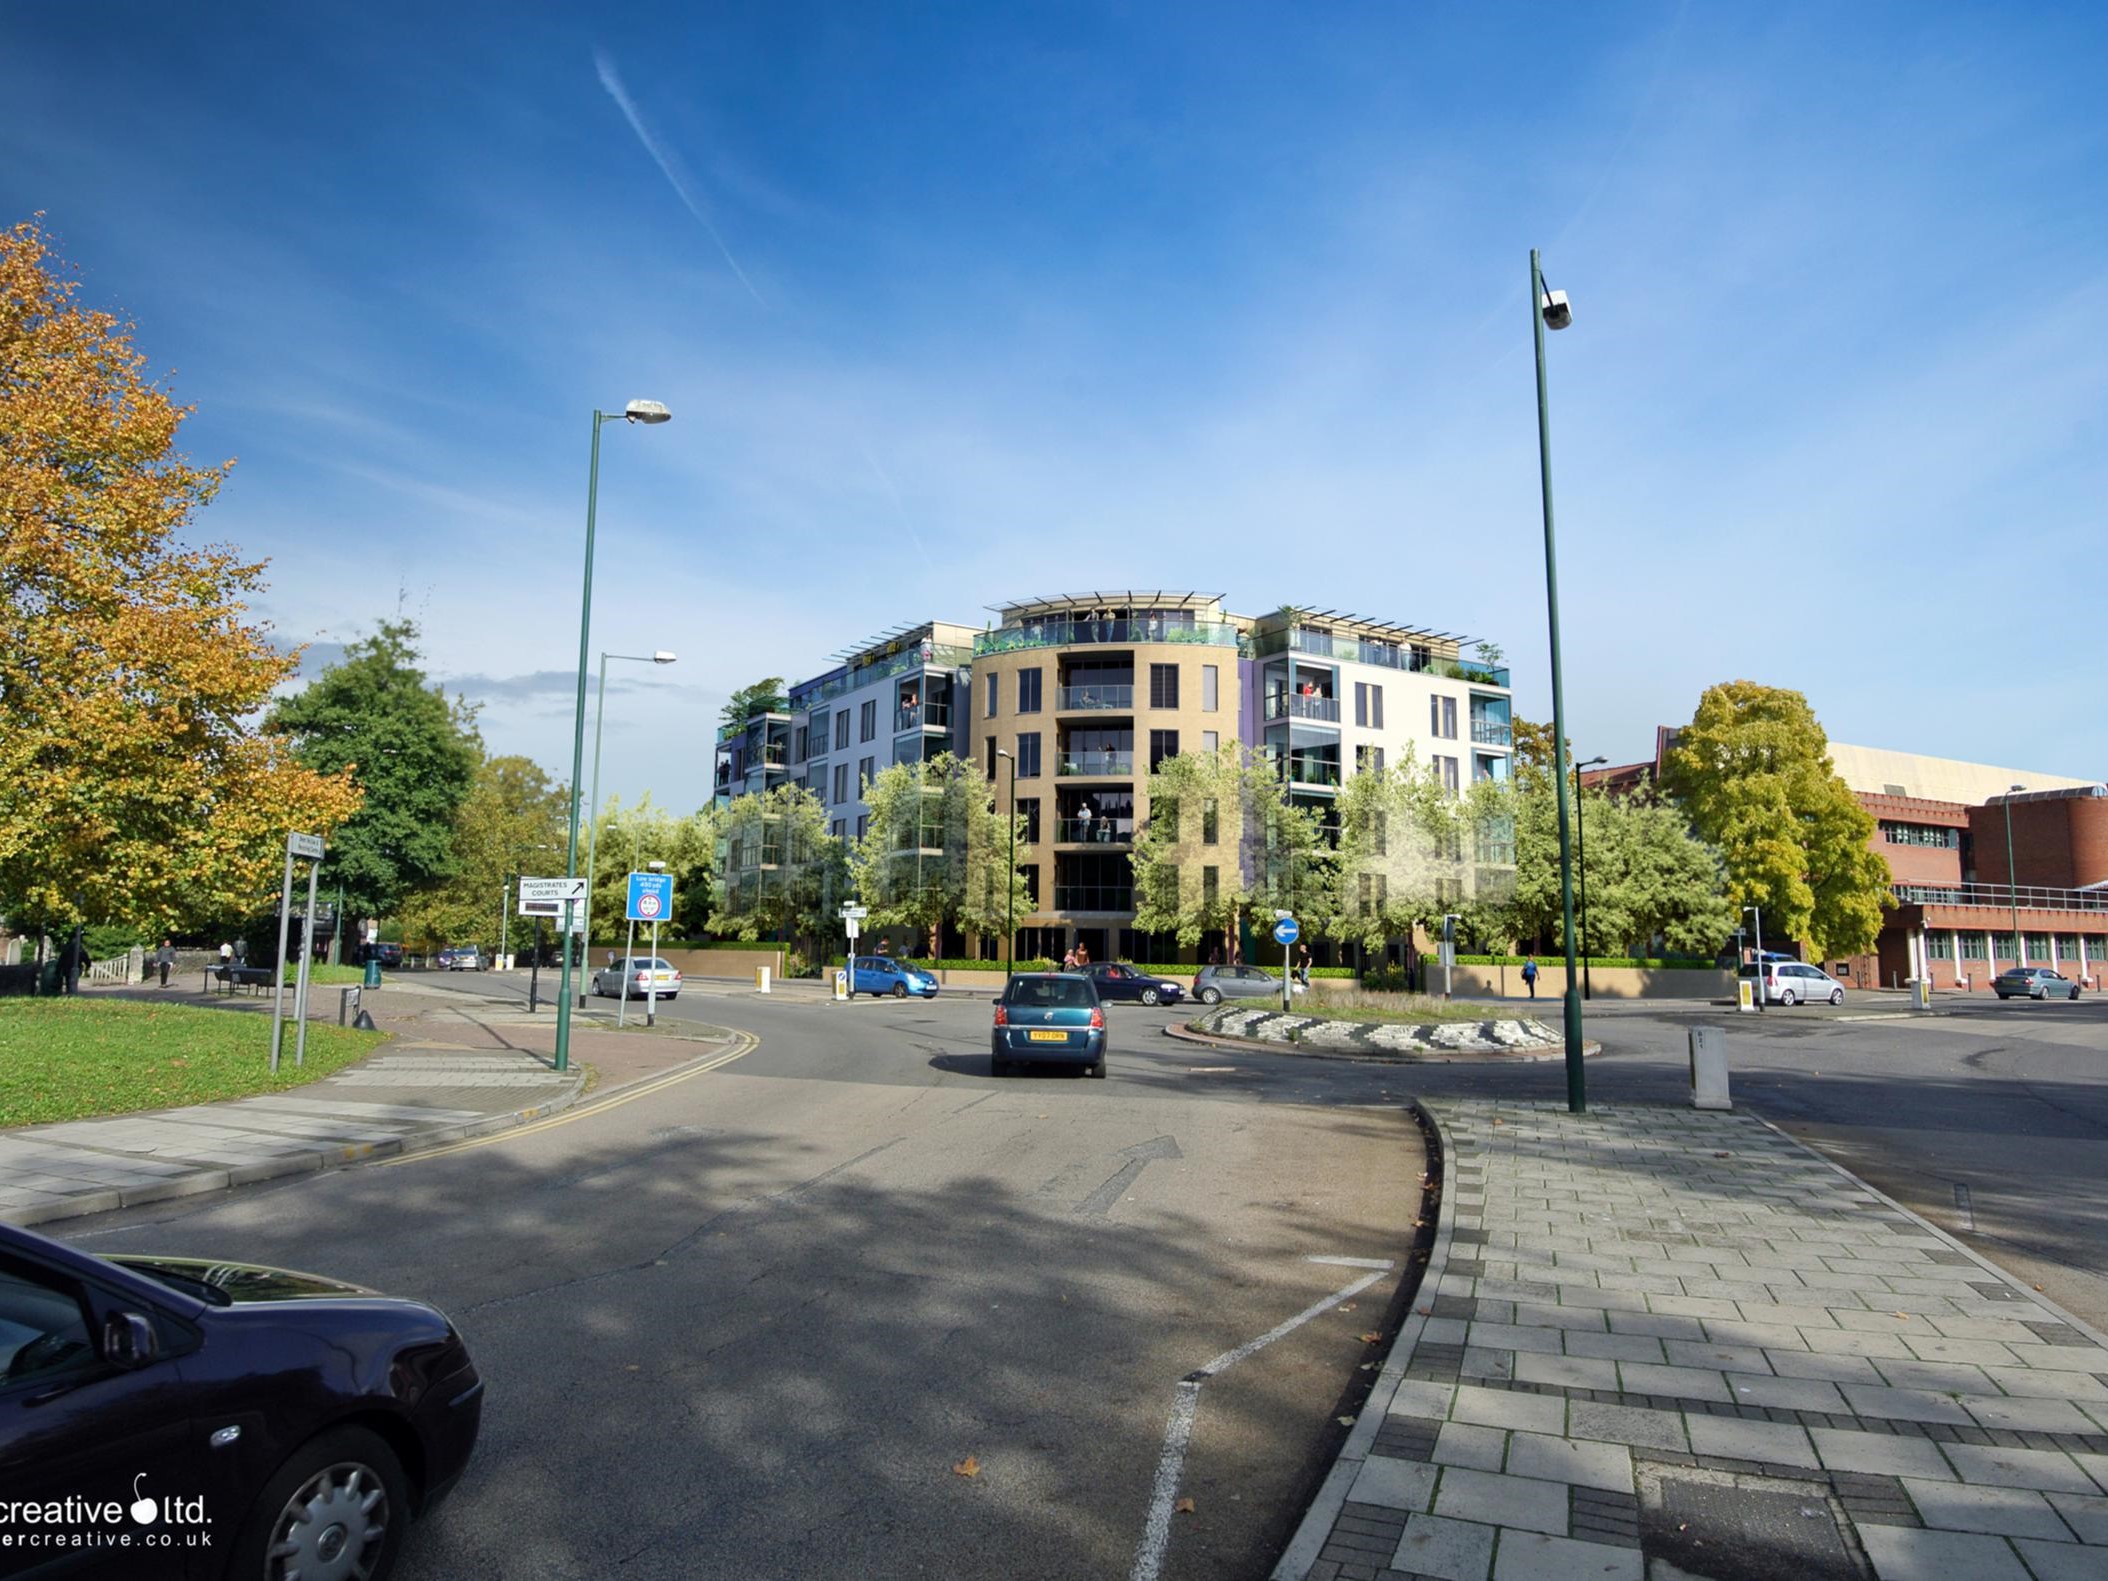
x=73 y=1523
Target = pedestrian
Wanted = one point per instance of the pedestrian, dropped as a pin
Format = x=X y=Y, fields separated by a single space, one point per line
x=241 y=952
x=1529 y=974
x=1303 y=966
x=226 y=955
x=1215 y=956
x=1068 y=959
x=1083 y=954
x=165 y=957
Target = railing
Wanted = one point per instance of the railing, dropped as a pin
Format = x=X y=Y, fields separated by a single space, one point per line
x=1119 y=697
x=1094 y=897
x=1106 y=763
x=1304 y=771
x=936 y=716
x=1094 y=831
x=938 y=656
x=1492 y=732
x=1370 y=650
x=1073 y=633
x=1297 y=706
x=2002 y=897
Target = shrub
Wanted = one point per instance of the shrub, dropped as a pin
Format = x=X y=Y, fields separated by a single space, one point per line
x=1677 y=963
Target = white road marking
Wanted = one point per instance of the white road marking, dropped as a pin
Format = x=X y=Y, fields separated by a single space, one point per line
x=1352 y=1262
x=1156 y=1533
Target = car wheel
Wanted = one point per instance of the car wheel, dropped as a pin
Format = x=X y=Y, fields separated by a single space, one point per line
x=2074 y=994
x=1837 y=996
x=339 y=1506
x=1149 y=996
x=1788 y=998
x=1098 y=1070
x=2039 y=993
x=1211 y=996
x=900 y=990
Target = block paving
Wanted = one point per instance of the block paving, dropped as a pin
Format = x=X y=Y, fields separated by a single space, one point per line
x=1647 y=1332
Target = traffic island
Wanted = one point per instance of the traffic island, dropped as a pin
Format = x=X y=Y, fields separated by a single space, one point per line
x=1408 y=1038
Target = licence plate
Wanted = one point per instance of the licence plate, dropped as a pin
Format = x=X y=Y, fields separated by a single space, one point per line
x=1047 y=1037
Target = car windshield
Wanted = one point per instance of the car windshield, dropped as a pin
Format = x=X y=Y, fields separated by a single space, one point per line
x=1049 y=993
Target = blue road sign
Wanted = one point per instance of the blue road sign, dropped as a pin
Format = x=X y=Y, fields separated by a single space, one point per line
x=650 y=897
x=1285 y=931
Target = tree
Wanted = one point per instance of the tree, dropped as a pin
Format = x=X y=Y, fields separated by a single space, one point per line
x=372 y=715
x=778 y=870
x=934 y=851
x=1752 y=770
x=511 y=821
x=132 y=788
x=1189 y=870
x=1649 y=877
x=627 y=839
x=1410 y=852
x=763 y=697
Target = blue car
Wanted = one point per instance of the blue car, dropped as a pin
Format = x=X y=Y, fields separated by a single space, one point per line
x=1051 y=1018
x=881 y=974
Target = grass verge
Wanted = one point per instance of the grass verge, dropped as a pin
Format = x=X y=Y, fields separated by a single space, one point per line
x=1412 y=1010
x=75 y=1059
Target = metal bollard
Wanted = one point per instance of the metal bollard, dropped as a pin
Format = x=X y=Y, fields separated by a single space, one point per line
x=347 y=1002
x=1709 y=1069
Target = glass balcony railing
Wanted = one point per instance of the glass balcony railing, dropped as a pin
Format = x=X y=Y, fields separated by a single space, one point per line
x=1295 y=705
x=923 y=716
x=1073 y=633
x=1312 y=771
x=1094 y=897
x=1492 y=732
x=936 y=655
x=1371 y=650
x=1099 y=763
x=1121 y=698
x=1094 y=831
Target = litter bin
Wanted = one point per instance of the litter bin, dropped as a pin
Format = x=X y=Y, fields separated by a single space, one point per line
x=373 y=972
x=51 y=977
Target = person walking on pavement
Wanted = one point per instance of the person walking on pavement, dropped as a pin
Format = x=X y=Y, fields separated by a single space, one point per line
x=165 y=957
x=1303 y=966
x=226 y=955
x=1068 y=959
x=1529 y=974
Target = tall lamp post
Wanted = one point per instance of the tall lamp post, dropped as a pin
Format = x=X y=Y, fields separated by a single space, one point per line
x=1010 y=886
x=2013 y=881
x=635 y=412
x=1588 y=989
x=593 y=806
x=1549 y=310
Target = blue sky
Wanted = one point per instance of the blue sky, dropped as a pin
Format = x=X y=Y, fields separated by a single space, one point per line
x=958 y=303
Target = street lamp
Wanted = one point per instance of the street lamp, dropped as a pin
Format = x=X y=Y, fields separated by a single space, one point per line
x=635 y=412
x=1756 y=916
x=1588 y=989
x=1550 y=310
x=1010 y=885
x=2013 y=880
x=593 y=806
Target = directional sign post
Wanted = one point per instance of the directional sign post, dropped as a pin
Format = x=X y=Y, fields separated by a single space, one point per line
x=1285 y=934
x=545 y=897
x=307 y=847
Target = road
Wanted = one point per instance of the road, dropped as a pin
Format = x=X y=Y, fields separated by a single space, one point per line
x=749 y=1325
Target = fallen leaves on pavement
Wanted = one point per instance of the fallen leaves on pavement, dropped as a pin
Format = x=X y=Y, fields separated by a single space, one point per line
x=1183 y=1507
x=969 y=1467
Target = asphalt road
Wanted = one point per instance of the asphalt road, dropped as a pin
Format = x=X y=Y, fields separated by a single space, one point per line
x=749 y=1325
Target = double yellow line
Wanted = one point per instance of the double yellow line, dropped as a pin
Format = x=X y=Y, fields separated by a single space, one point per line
x=743 y=1044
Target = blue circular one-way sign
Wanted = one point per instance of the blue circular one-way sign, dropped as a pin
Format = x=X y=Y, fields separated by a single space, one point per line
x=1285 y=931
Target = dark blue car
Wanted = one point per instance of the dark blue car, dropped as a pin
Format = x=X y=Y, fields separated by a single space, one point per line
x=1048 y=1018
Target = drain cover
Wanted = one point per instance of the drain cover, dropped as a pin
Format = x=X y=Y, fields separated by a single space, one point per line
x=1727 y=1526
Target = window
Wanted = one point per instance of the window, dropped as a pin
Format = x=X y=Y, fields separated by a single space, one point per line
x=1030 y=873
x=2037 y=949
x=841 y=782
x=1210 y=742
x=1028 y=818
x=1361 y=704
x=991 y=692
x=1028 y=691
x=863 y=824
x=1210 y=886
x=989 y=742
x=1973 y=945
x=1939 y=946
x=43 y=1328
x=841 y=731
x=1367 y=758
x=1208 y=674
x=1921 y=834
x=1028 y=755
x=839 y=825
x=1163 y=813
x=1380 y=833
x=1162 y=744
x=1210 y=822
x=1448 y=770
x=866 y=772
x=867 y=721
x=1375 y=890
x=1442 y=718
x=1163 y=686
x=1375 y=707
x=2067 y=947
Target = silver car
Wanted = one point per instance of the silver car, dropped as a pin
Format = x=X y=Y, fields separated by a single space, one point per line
x=638 y=977
x=1794 y=983
x=2033 y=982
x=1213 y=984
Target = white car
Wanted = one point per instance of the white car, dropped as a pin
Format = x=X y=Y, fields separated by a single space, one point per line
x=638 y=977
x=1792 y=983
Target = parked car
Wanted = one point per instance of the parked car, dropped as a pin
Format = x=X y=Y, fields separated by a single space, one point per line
x=307 y=1420
x=1793 y=983
x=1116 y=980
x=1213 y=984
x=881 y=974
x=388 y=954
x=1051 y=1018
x=462 y=958
x=638 y=977
x=2036 y=982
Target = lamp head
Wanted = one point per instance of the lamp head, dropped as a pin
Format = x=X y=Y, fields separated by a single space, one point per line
x=663 y=657
x=656 y=867
x=1558 y=312
x=2015 y=790
x=655 y=411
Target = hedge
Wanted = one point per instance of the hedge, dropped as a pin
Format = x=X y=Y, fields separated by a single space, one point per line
x=1673 y=963
x=1157 y=969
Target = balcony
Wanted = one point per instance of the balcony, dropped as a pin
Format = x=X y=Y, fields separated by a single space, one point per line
x=1101 y=765
x=923 y=716
x=1492 y=732
x=1117 y=699
x=2001 y=897
x=1093 y=831
x=1094 y=897
x=1371 y=650
x=1313 y=772
x=1297 y=706
x=1078 y=633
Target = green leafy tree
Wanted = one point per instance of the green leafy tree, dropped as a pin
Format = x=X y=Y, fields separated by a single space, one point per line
x=373 y=715
x=1188 y=853
x=627 y=839
x=1752 y=771
x=935 y=851
x=1649 y=877
x=763 y=697
x=510 y=822
x=1409 y=852
x=778 y=871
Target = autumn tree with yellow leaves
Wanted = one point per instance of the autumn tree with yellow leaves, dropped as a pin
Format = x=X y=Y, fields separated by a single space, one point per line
x=135 y=786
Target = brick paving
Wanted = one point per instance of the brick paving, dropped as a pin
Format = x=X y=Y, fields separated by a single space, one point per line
x=1658 y=1337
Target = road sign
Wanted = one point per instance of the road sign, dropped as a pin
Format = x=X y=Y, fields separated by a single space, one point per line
x=545 y=897
x=855 y=913
x=1285 y=931
x=307 y=845
x=650 y=897
x=853 y=928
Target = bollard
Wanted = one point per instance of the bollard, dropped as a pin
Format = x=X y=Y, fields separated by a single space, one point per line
x=761 y=978
x=347 y=1002
x=1709 y=1069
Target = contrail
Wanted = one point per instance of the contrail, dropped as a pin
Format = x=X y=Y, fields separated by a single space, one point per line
x=611 y=80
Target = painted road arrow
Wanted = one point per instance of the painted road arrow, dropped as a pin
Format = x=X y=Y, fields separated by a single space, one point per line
x=1100 y=1202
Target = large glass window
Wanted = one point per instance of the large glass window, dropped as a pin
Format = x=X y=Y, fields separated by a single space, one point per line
x=1210 y=822
x=1208 y=673
x=1162 y=744
x=1028 y=755
x=867 y=721
x=1973 y=946
x=991 y=692
x=1939 y=945
x=1920 y=834
x=1028 y=818
x=1442 y=718
x=866 y=772
x=841 y=730
x=841 y=782
x=1028 y=691
x=1163 y=686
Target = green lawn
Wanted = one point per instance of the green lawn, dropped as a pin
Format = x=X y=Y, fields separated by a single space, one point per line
x=1403 y=1009
x=72 y=1059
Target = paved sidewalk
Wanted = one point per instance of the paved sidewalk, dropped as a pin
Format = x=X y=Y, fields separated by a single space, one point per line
x=1660 y=1343
x=457 y=1067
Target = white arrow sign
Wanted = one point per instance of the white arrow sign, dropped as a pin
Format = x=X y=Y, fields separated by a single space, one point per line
x=556 y=889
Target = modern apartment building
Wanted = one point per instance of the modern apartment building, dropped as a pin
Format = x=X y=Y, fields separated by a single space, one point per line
x=1087 y=693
